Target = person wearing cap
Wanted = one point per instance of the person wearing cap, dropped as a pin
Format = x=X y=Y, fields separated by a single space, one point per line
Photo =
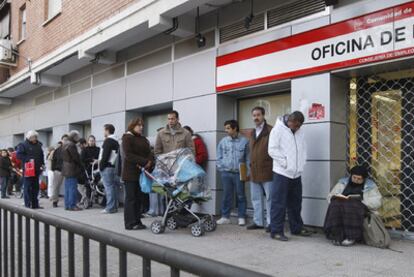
x=349 y=201
x=27 y=151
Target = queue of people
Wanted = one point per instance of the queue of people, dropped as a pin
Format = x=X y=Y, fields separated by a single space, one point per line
x=269 y=159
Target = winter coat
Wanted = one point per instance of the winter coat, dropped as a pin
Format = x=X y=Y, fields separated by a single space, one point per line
x=88 y=155
x=371 y=196
x=57 y=159
x=260 y=161
x=5 y=167
x=110 y=144
x=27 y=151
x=72 y=164
x=136 y=152
x=201 y=155
x=287 y=149
x=167 y=142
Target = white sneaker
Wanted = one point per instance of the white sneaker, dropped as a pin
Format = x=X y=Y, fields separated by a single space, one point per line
x=223 y=220
x=348 y=242
x=242 y=221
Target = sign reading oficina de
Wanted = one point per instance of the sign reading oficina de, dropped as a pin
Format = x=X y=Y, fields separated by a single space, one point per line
x=383 y=35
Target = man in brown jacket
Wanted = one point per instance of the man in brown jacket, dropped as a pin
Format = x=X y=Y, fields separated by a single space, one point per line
x=173 y=136
x=261 y=174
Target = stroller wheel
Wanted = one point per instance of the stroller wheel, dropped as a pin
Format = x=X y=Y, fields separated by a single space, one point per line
x=210 y=224
x=197 y=229
x=171 y=223
x=157 y=227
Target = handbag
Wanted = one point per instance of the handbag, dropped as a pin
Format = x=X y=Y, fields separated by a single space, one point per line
x=29 y=169
x=145 y=182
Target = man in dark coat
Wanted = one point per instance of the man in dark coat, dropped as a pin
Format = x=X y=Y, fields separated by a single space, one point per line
x=31 y=150
x=110 y=148
x=72 y=170
x=261 y=175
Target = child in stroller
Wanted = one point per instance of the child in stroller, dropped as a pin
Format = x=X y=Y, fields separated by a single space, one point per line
x=94 y=189
x=180 y=179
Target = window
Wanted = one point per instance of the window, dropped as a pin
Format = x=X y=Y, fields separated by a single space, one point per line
x=53 y=8
x=275 y=105
x=23 y=22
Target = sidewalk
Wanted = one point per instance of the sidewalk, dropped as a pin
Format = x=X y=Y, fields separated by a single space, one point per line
x=314 y=256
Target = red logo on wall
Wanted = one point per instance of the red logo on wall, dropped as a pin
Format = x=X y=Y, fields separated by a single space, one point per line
x=316 y=111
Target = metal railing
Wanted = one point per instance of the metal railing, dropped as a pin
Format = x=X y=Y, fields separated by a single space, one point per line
x=12 y=252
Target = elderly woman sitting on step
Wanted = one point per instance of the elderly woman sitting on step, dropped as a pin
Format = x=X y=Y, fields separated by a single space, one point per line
x=350 y=201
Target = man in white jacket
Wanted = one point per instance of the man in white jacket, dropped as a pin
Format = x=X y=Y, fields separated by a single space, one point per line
x=287 y=147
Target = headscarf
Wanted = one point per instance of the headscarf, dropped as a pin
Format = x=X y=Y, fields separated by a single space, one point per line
x=352 y=188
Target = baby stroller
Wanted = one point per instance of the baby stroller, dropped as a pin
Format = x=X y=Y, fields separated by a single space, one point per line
x=180 y=179
x=95 y=190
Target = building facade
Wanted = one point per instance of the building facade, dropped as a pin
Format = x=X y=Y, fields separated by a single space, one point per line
x=346 y=64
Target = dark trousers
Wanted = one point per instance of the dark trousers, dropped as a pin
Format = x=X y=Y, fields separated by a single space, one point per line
x=132 y=204
x=31 y=192
x=286 y=194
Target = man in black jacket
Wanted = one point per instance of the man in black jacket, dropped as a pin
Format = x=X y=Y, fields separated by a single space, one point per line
x=107 y=162
x=31 y=151
x=57 y=166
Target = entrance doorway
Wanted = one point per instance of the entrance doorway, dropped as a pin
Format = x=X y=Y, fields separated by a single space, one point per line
x=381 y=136
x=275 y=105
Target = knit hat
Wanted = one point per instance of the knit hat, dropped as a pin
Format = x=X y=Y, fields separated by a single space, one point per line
x=360 y=171
x=31 y=133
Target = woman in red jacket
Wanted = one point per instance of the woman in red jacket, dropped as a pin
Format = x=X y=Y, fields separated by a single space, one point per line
x=201 y=155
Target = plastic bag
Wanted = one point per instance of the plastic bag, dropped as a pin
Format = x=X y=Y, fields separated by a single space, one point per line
x=145 y=182
x=29 y=169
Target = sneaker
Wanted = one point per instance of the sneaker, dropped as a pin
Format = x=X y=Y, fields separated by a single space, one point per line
x=242 y=221
x=268 y=229
x=75 y=209
x=104 y=211
x=253 y=226
x=348 y=242
x=55 y=204
x=280 y=237
x=223 y=220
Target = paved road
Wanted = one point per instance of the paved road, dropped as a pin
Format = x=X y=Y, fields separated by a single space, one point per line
x=254 y=250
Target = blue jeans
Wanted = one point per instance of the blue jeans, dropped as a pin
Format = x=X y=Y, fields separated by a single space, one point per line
x=71 y=192
x=258 y=192
x=4 y=181
x=286 y=194
x=111 y=189
x=231 y=181
x=31 y=192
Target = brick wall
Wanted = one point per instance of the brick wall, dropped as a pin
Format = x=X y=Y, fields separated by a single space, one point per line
x=77 y=17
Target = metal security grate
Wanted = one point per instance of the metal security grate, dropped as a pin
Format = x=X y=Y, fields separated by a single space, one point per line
x=381 y=136
x=293 y=11
x=239 y=29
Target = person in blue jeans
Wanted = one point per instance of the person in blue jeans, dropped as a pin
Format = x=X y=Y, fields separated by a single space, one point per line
x=31 y=151
x=72 y=170
x=109 y=151
x=287 y=147
x=261 y=174
x=231 y=152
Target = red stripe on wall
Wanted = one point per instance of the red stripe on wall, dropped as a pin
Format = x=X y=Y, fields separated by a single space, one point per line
x=334 y=30
x=309 y=71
